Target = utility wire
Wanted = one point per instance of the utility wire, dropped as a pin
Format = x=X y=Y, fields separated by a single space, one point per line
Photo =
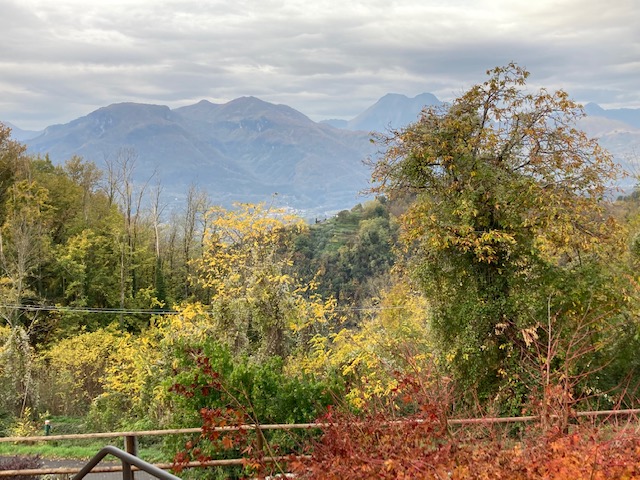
x=53 y=308
x=141 y=311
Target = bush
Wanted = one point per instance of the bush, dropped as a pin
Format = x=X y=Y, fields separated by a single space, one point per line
x=214 y=389
x=74 y=370
x=208 y=376
x=407 y=435
x=399 y=435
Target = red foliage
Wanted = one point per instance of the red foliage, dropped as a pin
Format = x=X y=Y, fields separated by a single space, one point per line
x=379 y=445
x=587 y=454
x=406 y=436
x=417 y=450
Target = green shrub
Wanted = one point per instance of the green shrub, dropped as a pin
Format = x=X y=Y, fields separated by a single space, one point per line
x=212 y=388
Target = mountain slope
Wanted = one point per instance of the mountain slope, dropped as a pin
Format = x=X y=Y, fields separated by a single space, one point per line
x=618 y=133
x=21 y=135
x=248 y=149
x=244 y=150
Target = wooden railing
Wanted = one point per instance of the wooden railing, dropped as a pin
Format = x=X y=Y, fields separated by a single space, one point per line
x=130 y=439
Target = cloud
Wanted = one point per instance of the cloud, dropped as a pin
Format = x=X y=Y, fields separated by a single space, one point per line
x=327 y=58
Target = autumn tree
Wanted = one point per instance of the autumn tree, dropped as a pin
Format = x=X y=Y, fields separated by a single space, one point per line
x=392 y=339
x=191 y=227
x=84 y=230
x=256 y=298
x=86 y=176
x=136 y=257
x=24 y=240
x=13 y=164
x=508 y=197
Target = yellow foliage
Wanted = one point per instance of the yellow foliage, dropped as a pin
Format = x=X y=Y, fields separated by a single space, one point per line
x=193 y=321
x=99 y=364
x=242 y=245
x=257 y=303
x=394 y=339
x=133 y=367
x=78 y=366
x=5 y=330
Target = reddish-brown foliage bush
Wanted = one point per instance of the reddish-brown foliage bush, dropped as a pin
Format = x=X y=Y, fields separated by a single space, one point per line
x=420 y=450
x=399 y=436
x=406 y=435
x=588 y=454
x=409 y=437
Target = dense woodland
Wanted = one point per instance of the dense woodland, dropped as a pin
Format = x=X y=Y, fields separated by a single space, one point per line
x=492 y=274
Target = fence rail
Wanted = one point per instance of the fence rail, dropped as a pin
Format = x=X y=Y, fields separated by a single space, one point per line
x=130 y=439
x=296 y=426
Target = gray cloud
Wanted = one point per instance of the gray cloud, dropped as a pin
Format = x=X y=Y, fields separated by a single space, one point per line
x=328 y=58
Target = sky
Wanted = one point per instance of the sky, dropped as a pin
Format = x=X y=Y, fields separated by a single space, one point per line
x=62 y=59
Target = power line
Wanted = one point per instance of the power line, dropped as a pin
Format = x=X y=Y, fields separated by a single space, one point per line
x=54 y=308
x=142 y=311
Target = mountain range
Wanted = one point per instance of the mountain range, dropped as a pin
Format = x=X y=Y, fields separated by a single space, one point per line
x=248 y=150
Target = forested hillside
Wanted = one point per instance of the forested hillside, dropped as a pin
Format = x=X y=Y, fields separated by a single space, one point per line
x=491 y=274
x=87 y=271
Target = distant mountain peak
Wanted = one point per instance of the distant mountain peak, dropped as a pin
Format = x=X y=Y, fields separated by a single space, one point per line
x=21 y=135
x=204 y=102
x=242 y=150
x=429 y=97
x=202 y=110
x=131 y=107
x=255 y=102
x=630 y=116
x=393 y=110
x=392 y=95
x=593 y=109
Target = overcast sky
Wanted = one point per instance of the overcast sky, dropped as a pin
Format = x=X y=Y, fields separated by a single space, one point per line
x=61 y=59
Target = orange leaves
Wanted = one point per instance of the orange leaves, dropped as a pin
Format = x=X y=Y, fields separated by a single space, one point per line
x=227 y=443
x=347 y=453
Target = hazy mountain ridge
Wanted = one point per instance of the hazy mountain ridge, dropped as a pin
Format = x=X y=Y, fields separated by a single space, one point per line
x=630 y=116
x=617 y=130
x=21 y=135
x=392 y=111
x=248 y=149
x=244 y=150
